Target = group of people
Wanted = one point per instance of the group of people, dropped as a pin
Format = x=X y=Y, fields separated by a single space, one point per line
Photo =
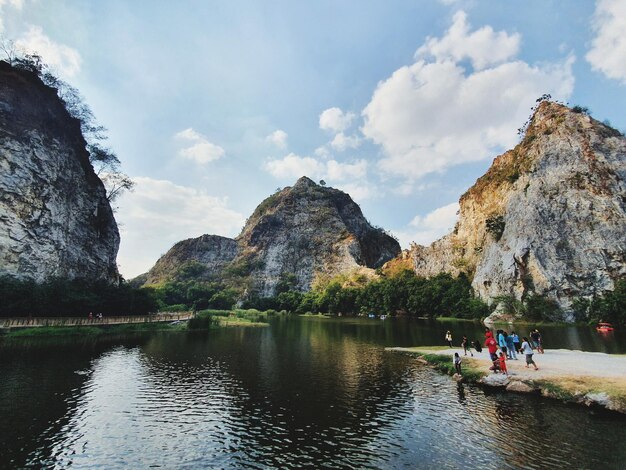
x=91 y=316
x=501 y=348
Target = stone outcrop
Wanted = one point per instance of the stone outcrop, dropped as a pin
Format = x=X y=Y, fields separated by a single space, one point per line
x=305 y=231
x=548 y=217
x=204 y=257
x=309 y=230
x=55 y=219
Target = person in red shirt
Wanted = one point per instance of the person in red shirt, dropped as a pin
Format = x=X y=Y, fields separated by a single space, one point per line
x=502 y=360
x=491 y=345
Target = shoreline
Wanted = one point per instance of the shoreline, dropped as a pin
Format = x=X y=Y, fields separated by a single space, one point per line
x=584 y=378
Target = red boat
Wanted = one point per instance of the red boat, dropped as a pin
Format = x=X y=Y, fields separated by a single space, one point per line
x=604 y=327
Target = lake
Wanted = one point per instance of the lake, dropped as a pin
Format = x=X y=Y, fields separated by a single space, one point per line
x=303 y=392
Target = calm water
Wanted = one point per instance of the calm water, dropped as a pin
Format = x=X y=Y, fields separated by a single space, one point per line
x=304 y=392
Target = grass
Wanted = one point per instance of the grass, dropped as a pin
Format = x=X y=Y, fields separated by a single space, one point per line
x=454 y=319
x=205 y=319
x=472 y=371
x=567 y=388
x=57 y=331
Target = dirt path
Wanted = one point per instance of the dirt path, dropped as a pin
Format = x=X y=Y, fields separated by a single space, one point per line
x=556 y=363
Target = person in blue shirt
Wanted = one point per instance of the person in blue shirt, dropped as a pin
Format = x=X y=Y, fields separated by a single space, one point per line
x=502 y=341
x=510 y=346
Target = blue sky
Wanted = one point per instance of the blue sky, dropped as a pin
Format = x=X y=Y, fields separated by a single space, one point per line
x=212 y=105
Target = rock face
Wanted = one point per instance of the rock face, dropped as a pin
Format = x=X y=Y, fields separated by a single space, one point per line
x=310 y=230
x=55 y=219
x=548 y=217
x=305 y=231
x=212 y=254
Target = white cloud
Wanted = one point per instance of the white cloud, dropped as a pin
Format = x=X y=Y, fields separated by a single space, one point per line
x=63 y=59
x=427 y=229
x=334 y=119
x=200 y=149
x=17 y=4
x=608 y=48
x=278 y=138
x=294 y=166
x=359 y=191
x=349 y=177
x=342 y=142
x=336 y=171
x=159 y=213
x=434 y=114
x=483 y=47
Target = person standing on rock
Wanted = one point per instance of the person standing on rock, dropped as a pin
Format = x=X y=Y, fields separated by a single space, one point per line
x=527 y=350
x=449 y=338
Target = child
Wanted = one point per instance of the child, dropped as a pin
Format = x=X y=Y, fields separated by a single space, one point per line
x=466 y=347
x=449 y=338
x=527 y=350
x=457 y=363
x=502 y=363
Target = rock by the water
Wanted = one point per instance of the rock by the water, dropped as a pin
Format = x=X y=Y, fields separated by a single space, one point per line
x=519 y=386
x=495 y=380
x=55 y=219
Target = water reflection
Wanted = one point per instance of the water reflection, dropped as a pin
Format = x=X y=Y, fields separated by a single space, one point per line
x=304 y=392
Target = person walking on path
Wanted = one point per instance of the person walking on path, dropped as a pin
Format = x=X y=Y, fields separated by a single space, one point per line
x=527 y=350
x=536 y=337
x=510 y=346
x=491 y=346
x=449 y=338
x=457 y=363
x=466 y=346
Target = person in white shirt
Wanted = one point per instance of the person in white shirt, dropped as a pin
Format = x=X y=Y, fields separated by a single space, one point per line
x=527 y=350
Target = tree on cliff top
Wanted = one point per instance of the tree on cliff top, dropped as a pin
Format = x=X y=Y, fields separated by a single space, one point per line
x=103 y=160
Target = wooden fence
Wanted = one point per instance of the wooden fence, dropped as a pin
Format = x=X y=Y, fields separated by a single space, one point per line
x=26 y=322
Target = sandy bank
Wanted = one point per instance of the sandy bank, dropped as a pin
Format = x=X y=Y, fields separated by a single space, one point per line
x=582 y=377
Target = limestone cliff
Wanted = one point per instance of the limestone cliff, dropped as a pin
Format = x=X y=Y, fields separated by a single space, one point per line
x=306 y=230
x=205 y=256
x=310 y=230
x=548 y=217
x=55 y=219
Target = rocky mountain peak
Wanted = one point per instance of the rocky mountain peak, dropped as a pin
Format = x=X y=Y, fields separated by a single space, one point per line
x=547 y=218
x=305 y=231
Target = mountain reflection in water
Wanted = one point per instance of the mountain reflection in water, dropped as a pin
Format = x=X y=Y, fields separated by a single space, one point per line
x=304 y=392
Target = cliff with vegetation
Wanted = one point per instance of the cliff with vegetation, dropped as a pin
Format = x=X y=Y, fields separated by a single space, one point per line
x=547 y=219
x=55 y=218
x=297 y=235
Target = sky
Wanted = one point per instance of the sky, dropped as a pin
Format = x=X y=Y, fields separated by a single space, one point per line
x=213 y=105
